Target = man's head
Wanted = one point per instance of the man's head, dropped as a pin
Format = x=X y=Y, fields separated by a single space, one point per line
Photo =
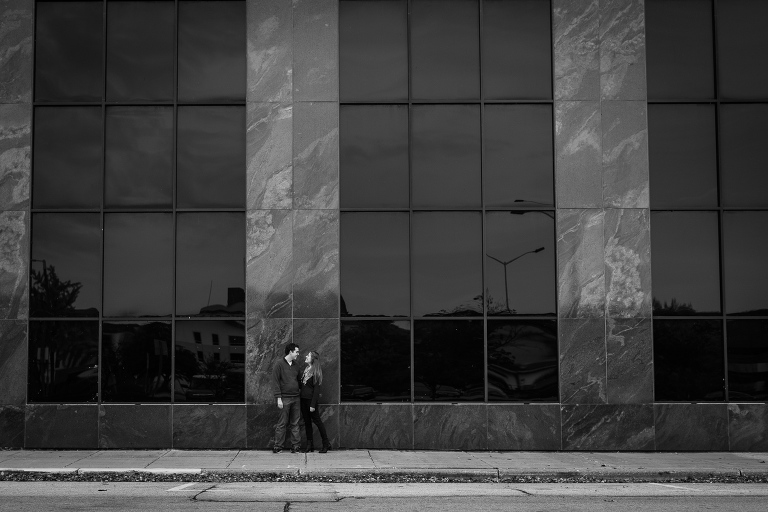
x=291 y=352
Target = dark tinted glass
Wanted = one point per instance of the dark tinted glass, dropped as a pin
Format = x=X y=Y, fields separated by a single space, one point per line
x=446 y=155
x=138 y=264
x=448 y=361
x=743 y=160
x=375 y=361
x=66 y=265
x=136 y=362
x=680 y=49
x=746 y=254
x=67 y=157
x=747 y=360
x=742 y=48
x=211 y=157
x=373 y=156
x=68 y=46
x=688 y=360
x=518 y=163
x=210 y=254
x=374 y=256
x=683 y=155
x=63 y=362
x=522 y=360
x=139 y=157
x=208 y=372
x=445 y=53
x=447 y=264
x=520 y=263
x=140 y=39
x=211 y=51
x=373 y=51
x=517 y=49
x=686 y=263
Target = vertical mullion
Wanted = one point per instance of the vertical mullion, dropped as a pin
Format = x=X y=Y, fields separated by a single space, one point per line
x=482 y=203
x=99 y=364
x=410 y=204
x=173 y=199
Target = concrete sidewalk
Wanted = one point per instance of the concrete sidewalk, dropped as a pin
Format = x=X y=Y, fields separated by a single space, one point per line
x=351 y=463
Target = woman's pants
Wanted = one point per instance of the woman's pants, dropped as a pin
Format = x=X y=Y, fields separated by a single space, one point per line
x=309 y=417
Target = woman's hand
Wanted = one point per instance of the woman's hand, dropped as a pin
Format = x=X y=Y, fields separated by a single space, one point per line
x=279 y=403
x=311 y=409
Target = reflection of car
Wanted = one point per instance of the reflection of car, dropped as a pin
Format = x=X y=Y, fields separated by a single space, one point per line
x=202 y=388
x=421 y=391
x=355 y=392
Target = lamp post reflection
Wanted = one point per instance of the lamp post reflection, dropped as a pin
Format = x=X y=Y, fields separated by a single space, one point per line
x=504 y=264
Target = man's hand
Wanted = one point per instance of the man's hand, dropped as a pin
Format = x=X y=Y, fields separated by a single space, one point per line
x=279 y=403
x=311 y=409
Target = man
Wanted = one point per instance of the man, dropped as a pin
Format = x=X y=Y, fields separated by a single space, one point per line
x=285 y=380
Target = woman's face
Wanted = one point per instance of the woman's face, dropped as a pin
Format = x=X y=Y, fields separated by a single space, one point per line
x=308 y=359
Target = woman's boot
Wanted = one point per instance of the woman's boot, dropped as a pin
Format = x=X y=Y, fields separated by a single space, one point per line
x=310 y=447
x=326 y=446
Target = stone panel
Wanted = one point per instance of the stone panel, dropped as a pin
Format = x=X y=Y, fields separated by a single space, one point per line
x=61 y=426
x=261 y=426
x=209 y=426
x=628 y=263
x=577 y=49
x=16 y=33
x=135 y=427
x=316 y=260
x=316 y=156
x=269 y=154
x=691 y=427
x=524 y=427
x=14 y=244
x=622 y=50
x=581 y=263
x=15 y=169
x=579 y=156
x=330 y=416
x=270 y=50
x=11 y=426
x=269 y=265
x=608 y=427
x=13 y=362
x=748 y=427
x=582 y=361
x=630 y=361
x=450 y=427
x=322 y=336
x=315 y=50
x=625 y=154
x=377 y=426
x=266 y=341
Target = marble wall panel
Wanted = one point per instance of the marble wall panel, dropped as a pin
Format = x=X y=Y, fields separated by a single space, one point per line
x=13 y=362
x=748 y=427
x=135 y=427
x=577 y=49
x=270 y=50
x=316 y=264
x=16 y=34
x=450 y=427
x=330 y=414
x=622 y=50
x=578 y=148
x=608 y=427
x=630 y=361
x=14 y=262
x=209 y=426
x=265 y=344
x=524 y=427
x=582 y=361
x=15 y=170
x=269 y=154
x=695 y=427
x=269 y=264
x=11 y=426
x=260 y=427
x=61 y=426
x=315 y=50
x=316 y=156
x=625 y=154
x=628 y=263
x=581 y=263
x=322 y=336
x=377 y=426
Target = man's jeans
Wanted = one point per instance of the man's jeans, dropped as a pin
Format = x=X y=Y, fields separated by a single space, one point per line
x=289 y=415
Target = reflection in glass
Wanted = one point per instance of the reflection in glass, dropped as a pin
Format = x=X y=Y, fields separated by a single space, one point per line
x=208 y=372
x=446 y=155
x=138 y=264
x=683 y=155
x=63 y=362
x=743 y=159
x=374 y=259
x=448 y=361
x=211 y=157
x=65 y=269
x=688 y=360
x=375 y=361
x=747 y=360
x=522 y=360
x=447 y=264
x=520 y=263
x=67 y=157
x=745 y=270
x=445 y=53
x=210 y=264
x=686 y=263
x=68 y=46
x=373 y=155
x=212 y=51
x=742 y=48
x=140 y=40
x=518 y=163
x=139 y=157
x=136 y=362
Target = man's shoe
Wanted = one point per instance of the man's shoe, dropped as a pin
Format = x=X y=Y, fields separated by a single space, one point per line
x=276 y=449
x=295 y=449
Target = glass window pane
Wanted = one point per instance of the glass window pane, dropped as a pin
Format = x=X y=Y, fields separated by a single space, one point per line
x=746 y=253
x=747 y=360
x=140 y=50
x=68 y=51
x=446 y=155
x=138 y=264
x=374 y=259
x=212 y=51
x=680 y=49
x=686 y=263
x=373 y=156
x=211 y=157
x=742 y=48
x=210 y=260
x=136 y=362
x=373 y=51
x=67 y=157
x=743 y=160
x=139 y=157
x=522 y=360
x=448 y=361
x=63 y=362
x=445 y=49
x=517 y=49
x=447 y=264
x=375 y=361
x=520 y=269
x=208 y=372
x=66 y=265
x=683 y=155
x=518 y=163
x=688 y=360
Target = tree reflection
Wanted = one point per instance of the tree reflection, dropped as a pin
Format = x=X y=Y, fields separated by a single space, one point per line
x=50 y=296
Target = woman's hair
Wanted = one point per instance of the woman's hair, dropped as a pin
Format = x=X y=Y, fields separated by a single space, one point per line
x=315 y=370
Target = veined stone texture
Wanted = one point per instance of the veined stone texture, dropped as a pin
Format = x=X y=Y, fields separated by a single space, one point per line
x=269 y=265
x=316 y=156
x=583 y=376
x=577 y=49
x=270 y=50
x=450 y=427
x=578 y=148
x=14 y=292
x=608 y=427
x=748 y=427
x=695 y=427
x=144 y=426
x=630 y=361
x=628 y=263
x=376 y=426
x=13 y=362
x=625 y=154
x=15 y=168
x=316 y=50
x=16 y=32
x=209 y=426
x=316 y=260
x=524 y=427
x=622 y=50
x=269 y=152
x=580 y=262
x=61 y=426
x=266 y=341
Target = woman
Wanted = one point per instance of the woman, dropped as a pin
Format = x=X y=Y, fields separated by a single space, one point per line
x=310 y=392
